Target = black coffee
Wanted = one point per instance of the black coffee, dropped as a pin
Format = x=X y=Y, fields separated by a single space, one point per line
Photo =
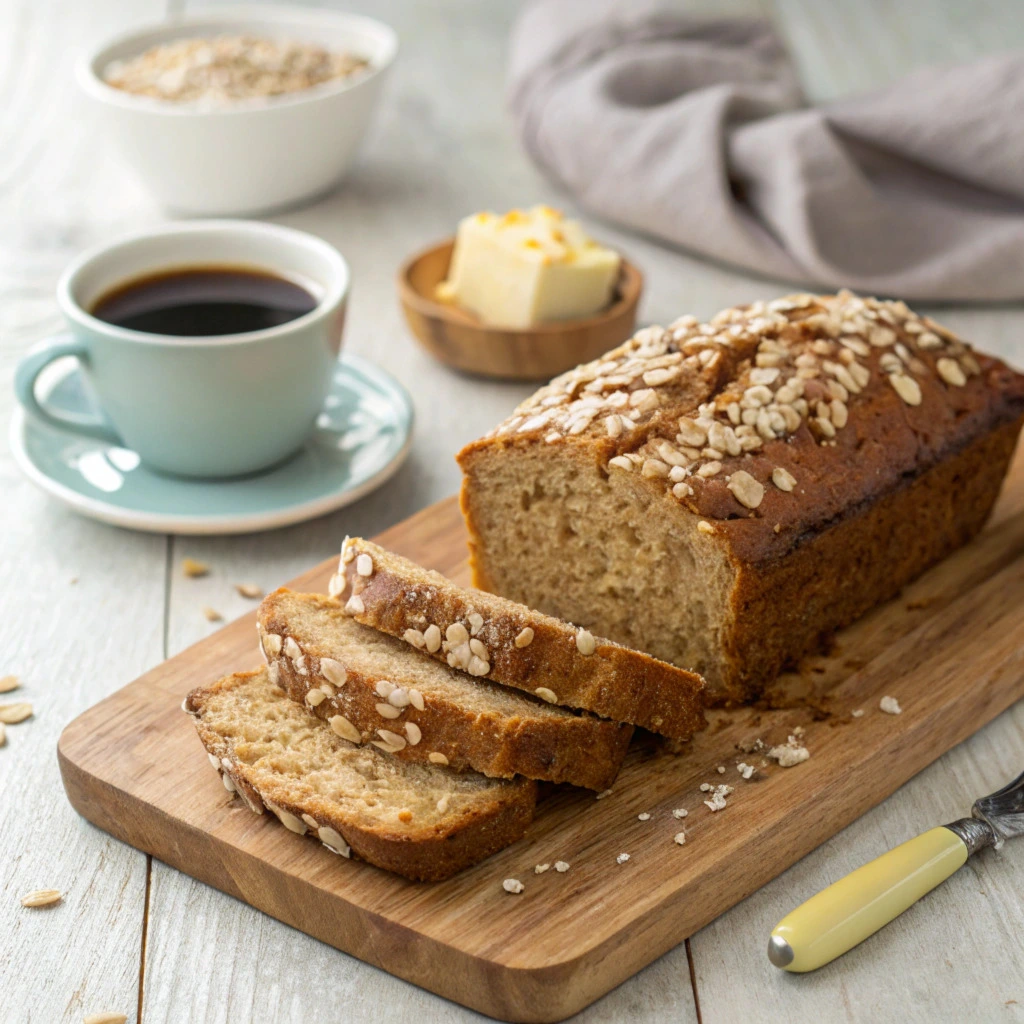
x=198 y=302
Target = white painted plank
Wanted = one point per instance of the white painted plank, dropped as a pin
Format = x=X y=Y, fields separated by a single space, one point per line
x=461 y=163
x=853 y=46
x=71 y=643
x=433 y=158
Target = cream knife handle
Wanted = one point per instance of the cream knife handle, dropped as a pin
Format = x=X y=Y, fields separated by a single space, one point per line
x=850 y=910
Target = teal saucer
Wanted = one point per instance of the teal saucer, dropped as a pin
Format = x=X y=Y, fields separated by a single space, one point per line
x=361 y=438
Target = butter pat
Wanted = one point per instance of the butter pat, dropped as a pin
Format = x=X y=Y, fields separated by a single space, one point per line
x=528 y=267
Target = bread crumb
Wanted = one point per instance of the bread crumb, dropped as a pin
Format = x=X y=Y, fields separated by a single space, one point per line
x=890 y=705
x=622 y=858
x=643 y=817
x=721 y=769
x=541 y=868
x=602 y=795
x=513 y=885
x=679 y=838
x=190 y=567
x=746 y=770
x=706 y=787
x=717 y=801
x=211 y=614
x=680 y=812
x=859 y=713
x=789 y=753
x=250 y=590
x=561 y=866
x=705 y=527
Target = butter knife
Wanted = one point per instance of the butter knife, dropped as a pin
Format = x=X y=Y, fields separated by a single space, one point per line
x=854 y=908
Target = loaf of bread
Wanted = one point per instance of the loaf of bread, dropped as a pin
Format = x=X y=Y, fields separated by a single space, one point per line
x=492 y=638
x=421 y=821
x=375 y=689
x=722 y=495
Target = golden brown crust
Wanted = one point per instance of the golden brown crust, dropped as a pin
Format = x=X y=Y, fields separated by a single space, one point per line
x=800 y=436
x=429 y=853
x=559 y=662
x=868 y=555
x=498 y=742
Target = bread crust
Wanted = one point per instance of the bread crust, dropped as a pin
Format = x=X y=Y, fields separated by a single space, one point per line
x=611 y=681
x=580 y=749
x=858 y=443
x=836 y=575
x=498 y=818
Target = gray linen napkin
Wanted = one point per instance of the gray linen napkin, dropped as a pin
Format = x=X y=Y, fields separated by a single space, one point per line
x=694 y=130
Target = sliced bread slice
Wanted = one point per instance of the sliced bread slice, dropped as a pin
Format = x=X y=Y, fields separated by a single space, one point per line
x=374 y=688
x=420 y=821
x=493 y=638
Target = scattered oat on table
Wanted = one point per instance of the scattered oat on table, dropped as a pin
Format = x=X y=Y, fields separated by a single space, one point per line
x=41 y=897
x=622 y=858
x=644 y=816
x=680 y=812
x=890 y=705
x=541 y=868
x=211 y=614
x=11 y=714
x=859 y=713
x=561 y=866
x=250 y=590
x=603 y=794
x=191 y=568
x=8 y=683
x=679 y=838
x=513 y=885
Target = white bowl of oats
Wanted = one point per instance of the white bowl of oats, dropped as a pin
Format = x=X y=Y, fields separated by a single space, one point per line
x=241 y=110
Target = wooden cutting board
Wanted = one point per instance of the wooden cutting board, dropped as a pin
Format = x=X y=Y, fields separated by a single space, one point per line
x=950 y=649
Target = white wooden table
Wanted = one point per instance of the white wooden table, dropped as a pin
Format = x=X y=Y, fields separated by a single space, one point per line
x=85 y=607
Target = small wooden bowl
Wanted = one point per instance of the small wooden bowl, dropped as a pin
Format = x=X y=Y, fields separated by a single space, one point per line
x=458 y=339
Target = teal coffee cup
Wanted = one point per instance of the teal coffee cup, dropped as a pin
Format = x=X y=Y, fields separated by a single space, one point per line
x=215 y=405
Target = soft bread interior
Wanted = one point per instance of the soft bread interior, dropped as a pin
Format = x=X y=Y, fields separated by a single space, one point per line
x=559 y=534
x=297 y=759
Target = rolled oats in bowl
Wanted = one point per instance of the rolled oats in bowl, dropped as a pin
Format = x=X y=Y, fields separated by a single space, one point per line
x=227 y=69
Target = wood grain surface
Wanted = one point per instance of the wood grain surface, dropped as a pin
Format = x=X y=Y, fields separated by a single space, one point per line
x=527 y=958
x=138 y=937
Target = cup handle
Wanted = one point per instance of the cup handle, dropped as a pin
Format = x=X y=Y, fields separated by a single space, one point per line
x=27 y=373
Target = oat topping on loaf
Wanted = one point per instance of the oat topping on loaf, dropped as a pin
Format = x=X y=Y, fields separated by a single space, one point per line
x=698 y=406
x=501 y=641
x=724 y=495
x=388 y=694
x=420 y=821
